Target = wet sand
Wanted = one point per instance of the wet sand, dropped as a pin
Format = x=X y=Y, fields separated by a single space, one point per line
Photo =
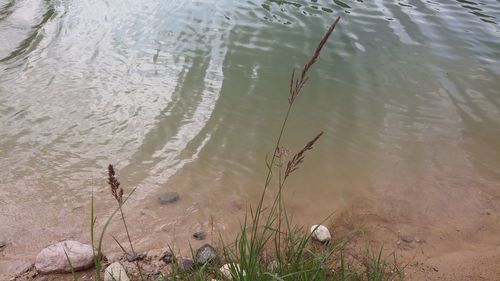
x=437 y=235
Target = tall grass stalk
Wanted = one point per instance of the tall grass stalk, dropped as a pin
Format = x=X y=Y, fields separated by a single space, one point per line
x=268 y=237
x=98 y=257
x=254 y=237
x=117 y=193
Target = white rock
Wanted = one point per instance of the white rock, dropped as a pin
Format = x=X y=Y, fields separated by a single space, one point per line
x=53 y=258
x=115 y=272
x=225 y=270
x=320 y=233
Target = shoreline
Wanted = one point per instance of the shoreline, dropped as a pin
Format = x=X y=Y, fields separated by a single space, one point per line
x=444 y=256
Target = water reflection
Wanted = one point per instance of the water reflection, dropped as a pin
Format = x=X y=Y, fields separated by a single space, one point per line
x=475 y=10
x=7 y=9
x=186 y=95
x=30 y=43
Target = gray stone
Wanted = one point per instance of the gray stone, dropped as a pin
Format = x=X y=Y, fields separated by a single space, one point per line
x=406 y=238
x=205 y=253
x=53 y=258
x=200 y=235
x=167 y=257
x=169 y=197
x=131 y=257
x=186 y=264
x=115 y=272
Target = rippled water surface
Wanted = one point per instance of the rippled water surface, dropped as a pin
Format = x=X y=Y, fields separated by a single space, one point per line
x=187 y=96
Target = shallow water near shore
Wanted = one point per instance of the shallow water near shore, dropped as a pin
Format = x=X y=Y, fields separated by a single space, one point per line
x=188 y=96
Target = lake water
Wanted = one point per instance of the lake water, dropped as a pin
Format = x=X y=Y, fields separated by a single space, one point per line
x=188 y=96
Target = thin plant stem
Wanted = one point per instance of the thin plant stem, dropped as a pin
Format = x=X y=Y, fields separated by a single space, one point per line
x=294 y=92
x=130 y=242
x=97 y=258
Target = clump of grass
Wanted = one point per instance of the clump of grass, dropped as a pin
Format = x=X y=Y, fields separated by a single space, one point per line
x=117 y=193
x=99 y=256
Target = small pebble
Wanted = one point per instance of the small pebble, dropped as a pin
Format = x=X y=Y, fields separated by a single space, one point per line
x=406 y=238
x=187 y=264
x=131 y=257
x=167 y=257
x=225 y=270
x=205 y=253
x=115 y=271
x=169 y=197
x=321 y=233
x=200 y=235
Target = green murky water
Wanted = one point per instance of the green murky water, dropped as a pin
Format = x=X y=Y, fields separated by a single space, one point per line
x=188 y=96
